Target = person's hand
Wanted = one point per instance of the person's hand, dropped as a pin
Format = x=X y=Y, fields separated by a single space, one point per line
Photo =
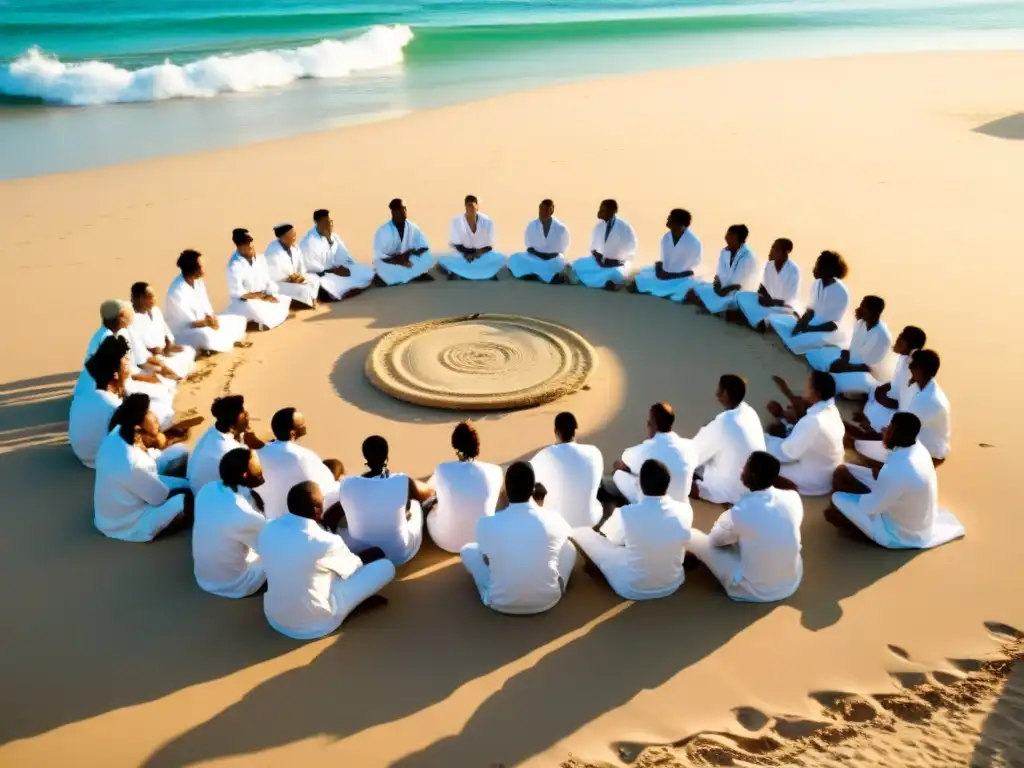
x=621 y=466
x=149 y=378
x=251 y=441
x=775 y=408
x=212 y=322
x=779 y=382
x=342 y=271
x=167 y=373
x=270 y=298
x=173 y=349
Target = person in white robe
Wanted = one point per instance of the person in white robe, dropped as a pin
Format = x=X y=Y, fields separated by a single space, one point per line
x=467 y=489
x=547 y=241
x=723 y=446
x=754 y=548
x=612 y=249
x=131 y=500
x=472 y=236
x=885 y=399
x=230 y=430
x=168 y=447
x=896 y=506
x=640 y=548
x=522 y=557
x=287 y=267
x=253 y=294
x=858 y=369
x=808 y=436
x=924 y=398
x=779 y=292
x=325 y=255
x=571 y=474
x=675 y=452
x=681 y=253
x=227 y=525
x=151 y=336
x=313 y=580
x=286 y=463
x=92 y=409
x=736 y=272
x=190 y=314
x=401 y=253
x=823 y=323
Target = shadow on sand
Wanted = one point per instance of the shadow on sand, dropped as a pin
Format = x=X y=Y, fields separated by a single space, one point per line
x=1010 y=127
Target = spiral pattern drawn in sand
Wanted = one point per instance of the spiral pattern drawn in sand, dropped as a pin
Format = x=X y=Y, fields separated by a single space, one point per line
x=481 y=362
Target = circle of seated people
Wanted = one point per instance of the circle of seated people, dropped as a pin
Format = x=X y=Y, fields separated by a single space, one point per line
x=322 y=542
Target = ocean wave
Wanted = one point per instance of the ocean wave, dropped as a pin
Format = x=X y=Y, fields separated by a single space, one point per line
x=37 y=76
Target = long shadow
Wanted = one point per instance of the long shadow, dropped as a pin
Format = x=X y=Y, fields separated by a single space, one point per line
x=1002 y=733
x=1010 y=127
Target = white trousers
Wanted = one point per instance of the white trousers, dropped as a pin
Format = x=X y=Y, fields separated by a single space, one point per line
x=173 y=459
x=483 y=268
x=473 y=560
x=360 y=276
x=304 y=293
x=714 y=303
x=613 y=561
x=802 y=343
x=269 y=314
x=399 y=546
x=591 y=275
x=523 y=264
x=749 y=303
x=182 y=362
x=232 y=329
x=856 y=383
x=396 y=274
x=348 y=593
x=647 y=281
x=628 y=485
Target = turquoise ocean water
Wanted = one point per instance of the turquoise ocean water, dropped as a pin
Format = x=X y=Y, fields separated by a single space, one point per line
x=90 y=82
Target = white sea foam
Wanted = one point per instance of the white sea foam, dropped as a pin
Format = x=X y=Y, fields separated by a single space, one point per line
x=36 y=75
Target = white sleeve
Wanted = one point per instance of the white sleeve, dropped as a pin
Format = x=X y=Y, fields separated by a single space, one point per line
x=454 y=235
x=634 y=457
x=833 y=308
x=416 y=237
x=161 y=322
x=564 y=239
x=381 y=240
x=526 y=237
x=874 y=349
x=140 y=352
x=747 y=274
x=597 y=237
x=237 y=274
x=628 y=243
x=614 y=530
x=147 y=485
x=885 y=493
x=723 y=532
x=492 y=233
x=800 y=439
x=342 y=258
x=249 y=526
x=339 y=559
x=789 y=287
x=177 y=309
x=707 y=442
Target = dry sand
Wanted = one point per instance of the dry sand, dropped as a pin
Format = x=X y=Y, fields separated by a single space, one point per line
x=911 y=165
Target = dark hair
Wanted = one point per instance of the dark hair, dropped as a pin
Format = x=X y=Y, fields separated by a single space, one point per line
x=139 y=290
x=519 y=482
x=823 y=384
x=832 y=264
x=282 y=229
x=874 y=304
x=741 y=231
x=663 y=416
x=566 y=425
x=395 y=204
x=227 y=409
x=241 y=236
x=548 y=201
x=762 y=470
x=903 y=430
x=611 y=203
x=734 y=387
x=914 y=336
x=786 y=243
x=654 y=478
x=540 y=492
x=106 y=361
x=375 y=451
x=233 y=465
x=928 y=361
x=188 y=261
x=466 y=440
x=336 y=467
x=680 y=216
x=129 y=415
x=471 y=199
x=320 y=213
x=282 y=423
x=300 y=499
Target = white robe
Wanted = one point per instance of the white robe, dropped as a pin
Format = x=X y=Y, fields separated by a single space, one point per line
x=227 y=525
x=281 y=265
x=572 y=475
x=204 y=466
x=868 y=346
x=376 y=516
x=782 y=285
x=740 y=270
x=466 y=491
x=902 y=509
x=245 y=277
x=187 y=304
x=829 y=303
x=684 y=256
x=313 y=580
x=89 y=422
x=675 y=452
x=813 y=450
x=388 y=243
x=459 y=233
x=723 y=447
x=931 y=406
x=286 y=464
x=878 y=415
x=555 y=241
x=149 y=331
x=619 y=244
x=320 y=254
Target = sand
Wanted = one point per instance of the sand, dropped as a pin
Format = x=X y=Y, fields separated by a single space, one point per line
x=910 y=165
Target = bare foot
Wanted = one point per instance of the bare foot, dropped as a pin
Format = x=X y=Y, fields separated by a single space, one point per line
x=243 y=344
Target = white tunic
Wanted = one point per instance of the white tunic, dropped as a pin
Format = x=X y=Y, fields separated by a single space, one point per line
x=676 y=257
x=320 y=254
x=813 y=450
x=642 y=550
x=829 y=303
x=286 y=464
x=204 y=465
x=89 y=422
x=902 y=509
x=572 y=474
x=282 y=264
x=868 y=346
x=555 y=241
x=781 y=284
x=931 y=406
x=313 y=580
x=878 y=415
x=187 y=304
x=459 y=233
x=150 y=331
x=466 y=491
x=375 y=514
x=740 y=270
x=722 y=448
x=754 y=547
x=618 y=244
x=224 y=536
x=387 y=243
x=675 y=452
x=245 y=277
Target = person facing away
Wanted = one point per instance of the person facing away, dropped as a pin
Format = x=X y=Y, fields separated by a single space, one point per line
x=467 y=489
x=612 y=248
x=313 y=580
x=230 y=430
x=640 y=548
x=286 y=463
x=522 y=557
x=547 y=240
x=151 y=336
x=91 y=409
x=253 y=294
x=287 y=267
x=190 y=314
x=571 y=473
x=857 y=368
x=736 y=272
x=382 y=509
x=821 y=324
x=325 y=255
x=779 y=291
x=675 y=452
x=884 y=401
x=681 y=254
x=472 y=236
x=228 y=521
x=401 y=253
x=754 y=548
x=723 y=446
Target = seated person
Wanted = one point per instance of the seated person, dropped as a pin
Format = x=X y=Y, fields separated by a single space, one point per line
x=167 y=448
x=471 y=234
x=230 y=430
x=287 y=267
x=856 y=369
x=91 y=409
x=640 y=548
x=190 y=314
x=821 y=324
x=736 y=272
x=313 y=580
x=884 y=401
x=779 y=292
x=675 y=452
x=522 y=557
x=253 y=294
x=547 y=240
x=681 y=253
x=151 y=337
x=754 y=547
x=571 y=474
x=401 y=253
x=612 y=248
x=286 y=463
x=898 y=505
x=325 y=255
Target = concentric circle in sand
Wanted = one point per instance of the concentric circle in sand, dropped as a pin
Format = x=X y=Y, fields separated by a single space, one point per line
x=481 y=362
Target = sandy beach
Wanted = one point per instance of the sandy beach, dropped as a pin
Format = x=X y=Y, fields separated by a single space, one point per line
x=910 y=165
